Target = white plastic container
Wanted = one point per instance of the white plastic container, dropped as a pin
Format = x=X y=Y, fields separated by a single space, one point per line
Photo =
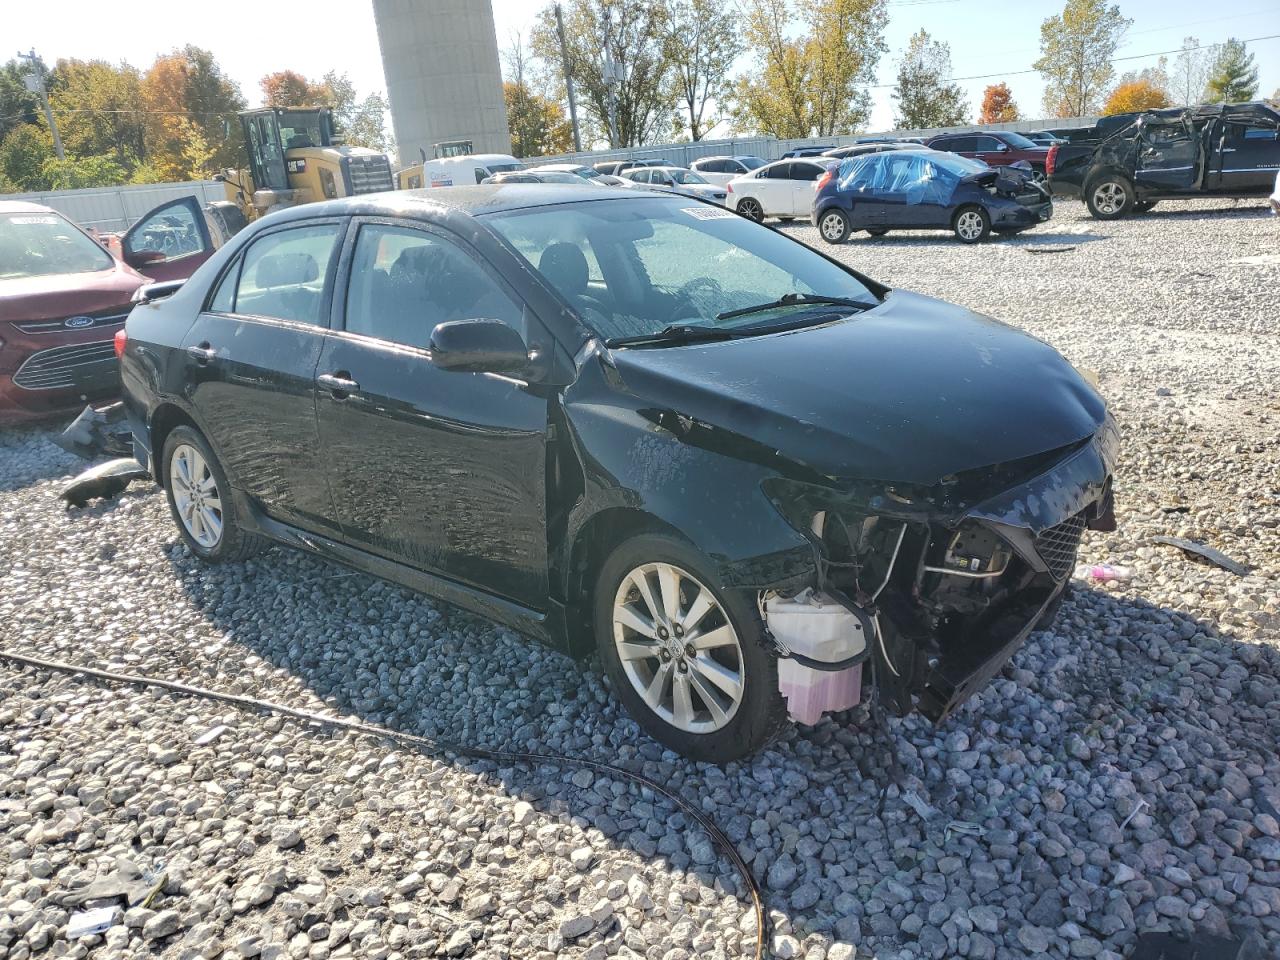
x=816 y=626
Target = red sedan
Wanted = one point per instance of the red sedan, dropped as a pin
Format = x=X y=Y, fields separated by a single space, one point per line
x=63 y=296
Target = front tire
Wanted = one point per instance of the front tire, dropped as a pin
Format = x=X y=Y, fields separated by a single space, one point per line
x=750 y=208
x=1109 y=197
x=689 y=660
x=200 y=500
x=972 y=224
x=833 y=226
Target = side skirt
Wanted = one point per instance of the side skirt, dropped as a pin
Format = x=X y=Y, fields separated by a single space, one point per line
x=547 y=628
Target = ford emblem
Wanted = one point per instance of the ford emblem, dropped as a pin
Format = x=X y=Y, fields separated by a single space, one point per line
x=77 y=322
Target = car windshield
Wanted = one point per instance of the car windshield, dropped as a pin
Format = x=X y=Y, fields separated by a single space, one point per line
x=505 y=167
x=1019 y=141
x=42 y=244
x=636 y=267
x=686 y=176
x=751 y=163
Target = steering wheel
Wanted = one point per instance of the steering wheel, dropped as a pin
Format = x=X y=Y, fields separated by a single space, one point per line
x=685 y=307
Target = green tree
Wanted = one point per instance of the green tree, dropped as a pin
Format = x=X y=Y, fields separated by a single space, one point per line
x=925 y=99
x=701 y=42
x=75 y=173
x=361 y=121
x=1234 y=76
x=774 y=96
x=17 y=105
x=845 y=42
x=538 y=125
x=1076 y=49
x=23 y=153
x=96 y=106
x=637 y=102
x=1190 y=74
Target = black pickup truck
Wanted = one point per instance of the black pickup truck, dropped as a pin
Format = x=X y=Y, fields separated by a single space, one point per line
x=1214 y=150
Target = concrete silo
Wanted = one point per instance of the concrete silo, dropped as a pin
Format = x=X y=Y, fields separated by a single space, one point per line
x=440 y=58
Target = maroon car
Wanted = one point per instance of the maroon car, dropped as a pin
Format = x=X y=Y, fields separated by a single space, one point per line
x=999 y=148
x=63 y=296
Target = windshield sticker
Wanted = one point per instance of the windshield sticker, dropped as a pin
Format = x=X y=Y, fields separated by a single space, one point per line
x=35 y=219
x=708 y=213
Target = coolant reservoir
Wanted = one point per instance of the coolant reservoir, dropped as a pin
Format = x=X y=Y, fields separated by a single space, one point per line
x=818 y=627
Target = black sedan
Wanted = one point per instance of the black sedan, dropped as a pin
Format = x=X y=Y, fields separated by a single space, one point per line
x=636 y=424
x=926 y=190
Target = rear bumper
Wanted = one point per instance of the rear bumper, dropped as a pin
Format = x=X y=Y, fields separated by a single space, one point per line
x=1022 y=216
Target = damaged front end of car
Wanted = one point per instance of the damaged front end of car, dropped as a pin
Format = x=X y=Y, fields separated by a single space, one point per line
x=944 y=582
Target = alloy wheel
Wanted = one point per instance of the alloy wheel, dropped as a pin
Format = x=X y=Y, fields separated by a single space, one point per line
x=1109 y=198
x=969 y=225
x=195 y=493
x=678 y=648
x=751 y=210
x=832 y=227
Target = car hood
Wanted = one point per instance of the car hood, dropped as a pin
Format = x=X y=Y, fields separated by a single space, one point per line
x=700 y=189
x=66 y=294
x=909 y=392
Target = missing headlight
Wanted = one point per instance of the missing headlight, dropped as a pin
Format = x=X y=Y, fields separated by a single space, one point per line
x=974 y=551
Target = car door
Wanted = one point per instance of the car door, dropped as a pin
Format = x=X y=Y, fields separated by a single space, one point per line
x=989 y=150
x=440 y=470
x=775 y=193
x=168 y=242
x=1248 y=157
x=1168 y=157
x=250 y=368
x=804 y=178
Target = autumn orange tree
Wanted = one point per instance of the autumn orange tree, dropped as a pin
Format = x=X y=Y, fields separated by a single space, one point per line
x=998 y=105
x=288 y=88
x=191 y=125
x=1135 y=96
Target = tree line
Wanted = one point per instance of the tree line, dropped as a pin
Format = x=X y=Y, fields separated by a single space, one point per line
x=663 y=71
x=174 y=121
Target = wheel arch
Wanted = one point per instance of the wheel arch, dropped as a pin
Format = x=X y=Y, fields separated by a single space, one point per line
x=1108 y=170
x=162 y=421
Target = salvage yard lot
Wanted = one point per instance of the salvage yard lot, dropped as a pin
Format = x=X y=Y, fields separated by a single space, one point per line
x=1120 y=775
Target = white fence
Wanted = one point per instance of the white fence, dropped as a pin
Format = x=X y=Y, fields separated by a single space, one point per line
x=769 y=148
x=118 y=208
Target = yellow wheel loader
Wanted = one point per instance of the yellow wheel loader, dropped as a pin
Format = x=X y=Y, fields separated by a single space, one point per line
x=295 y=158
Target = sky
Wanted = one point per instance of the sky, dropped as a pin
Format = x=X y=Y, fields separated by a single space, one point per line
x=252 y=37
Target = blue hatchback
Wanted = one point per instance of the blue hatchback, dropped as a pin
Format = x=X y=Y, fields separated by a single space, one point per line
x=926 y=190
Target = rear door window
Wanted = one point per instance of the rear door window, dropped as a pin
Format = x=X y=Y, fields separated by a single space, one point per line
x=780 y=172
x=282 y=275
x=805 y=171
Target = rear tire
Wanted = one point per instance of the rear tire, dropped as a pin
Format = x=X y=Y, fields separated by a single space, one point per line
x=657 y=602
x=750 y=208
x=1109 y=197
x=971 y=224
x=201 y=502
x=833 y=225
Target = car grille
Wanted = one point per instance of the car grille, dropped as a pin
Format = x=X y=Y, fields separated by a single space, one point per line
x=369 y=174
x=62 y=367
x=60 y=324
x=1058 y=545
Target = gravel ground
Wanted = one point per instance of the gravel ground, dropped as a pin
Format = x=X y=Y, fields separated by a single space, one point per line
x=1121 y=775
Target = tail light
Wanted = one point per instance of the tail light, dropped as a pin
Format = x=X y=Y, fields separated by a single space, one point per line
x=824 y=180
x=119 y=340
x=1051 y=161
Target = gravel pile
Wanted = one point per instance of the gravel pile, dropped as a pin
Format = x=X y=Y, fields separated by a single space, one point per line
x=1121 y=775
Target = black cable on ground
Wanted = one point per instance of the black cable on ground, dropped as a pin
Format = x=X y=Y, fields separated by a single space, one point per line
x=717 y=835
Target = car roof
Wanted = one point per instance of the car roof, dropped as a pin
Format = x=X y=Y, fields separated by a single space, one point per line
x=476 y=158
x=468 y=200
x=566 y=167
x=23 y=206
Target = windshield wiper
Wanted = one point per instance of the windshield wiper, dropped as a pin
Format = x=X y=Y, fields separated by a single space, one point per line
x=675 y=333
x=791 y=300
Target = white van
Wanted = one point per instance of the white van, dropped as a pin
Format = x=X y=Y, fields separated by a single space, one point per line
x=456 y=171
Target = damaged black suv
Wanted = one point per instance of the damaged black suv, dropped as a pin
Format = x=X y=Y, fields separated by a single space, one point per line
x=739 y=471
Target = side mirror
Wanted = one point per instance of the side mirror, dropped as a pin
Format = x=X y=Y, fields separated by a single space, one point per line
x=478 y=346
x=1002 y=147
x=142 y=258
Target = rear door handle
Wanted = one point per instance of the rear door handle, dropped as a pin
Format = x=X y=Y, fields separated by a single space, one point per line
x=202 y=353
x=340 y=386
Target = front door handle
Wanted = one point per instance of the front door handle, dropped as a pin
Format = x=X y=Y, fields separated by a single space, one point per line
x=340 y=385
x=202 y=353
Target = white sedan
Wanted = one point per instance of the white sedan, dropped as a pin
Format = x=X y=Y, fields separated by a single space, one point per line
x=784 y=189
x=675 y=180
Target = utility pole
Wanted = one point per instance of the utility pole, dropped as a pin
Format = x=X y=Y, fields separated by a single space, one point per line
x=568 y=82
x=612 y=78
x=34 y=82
